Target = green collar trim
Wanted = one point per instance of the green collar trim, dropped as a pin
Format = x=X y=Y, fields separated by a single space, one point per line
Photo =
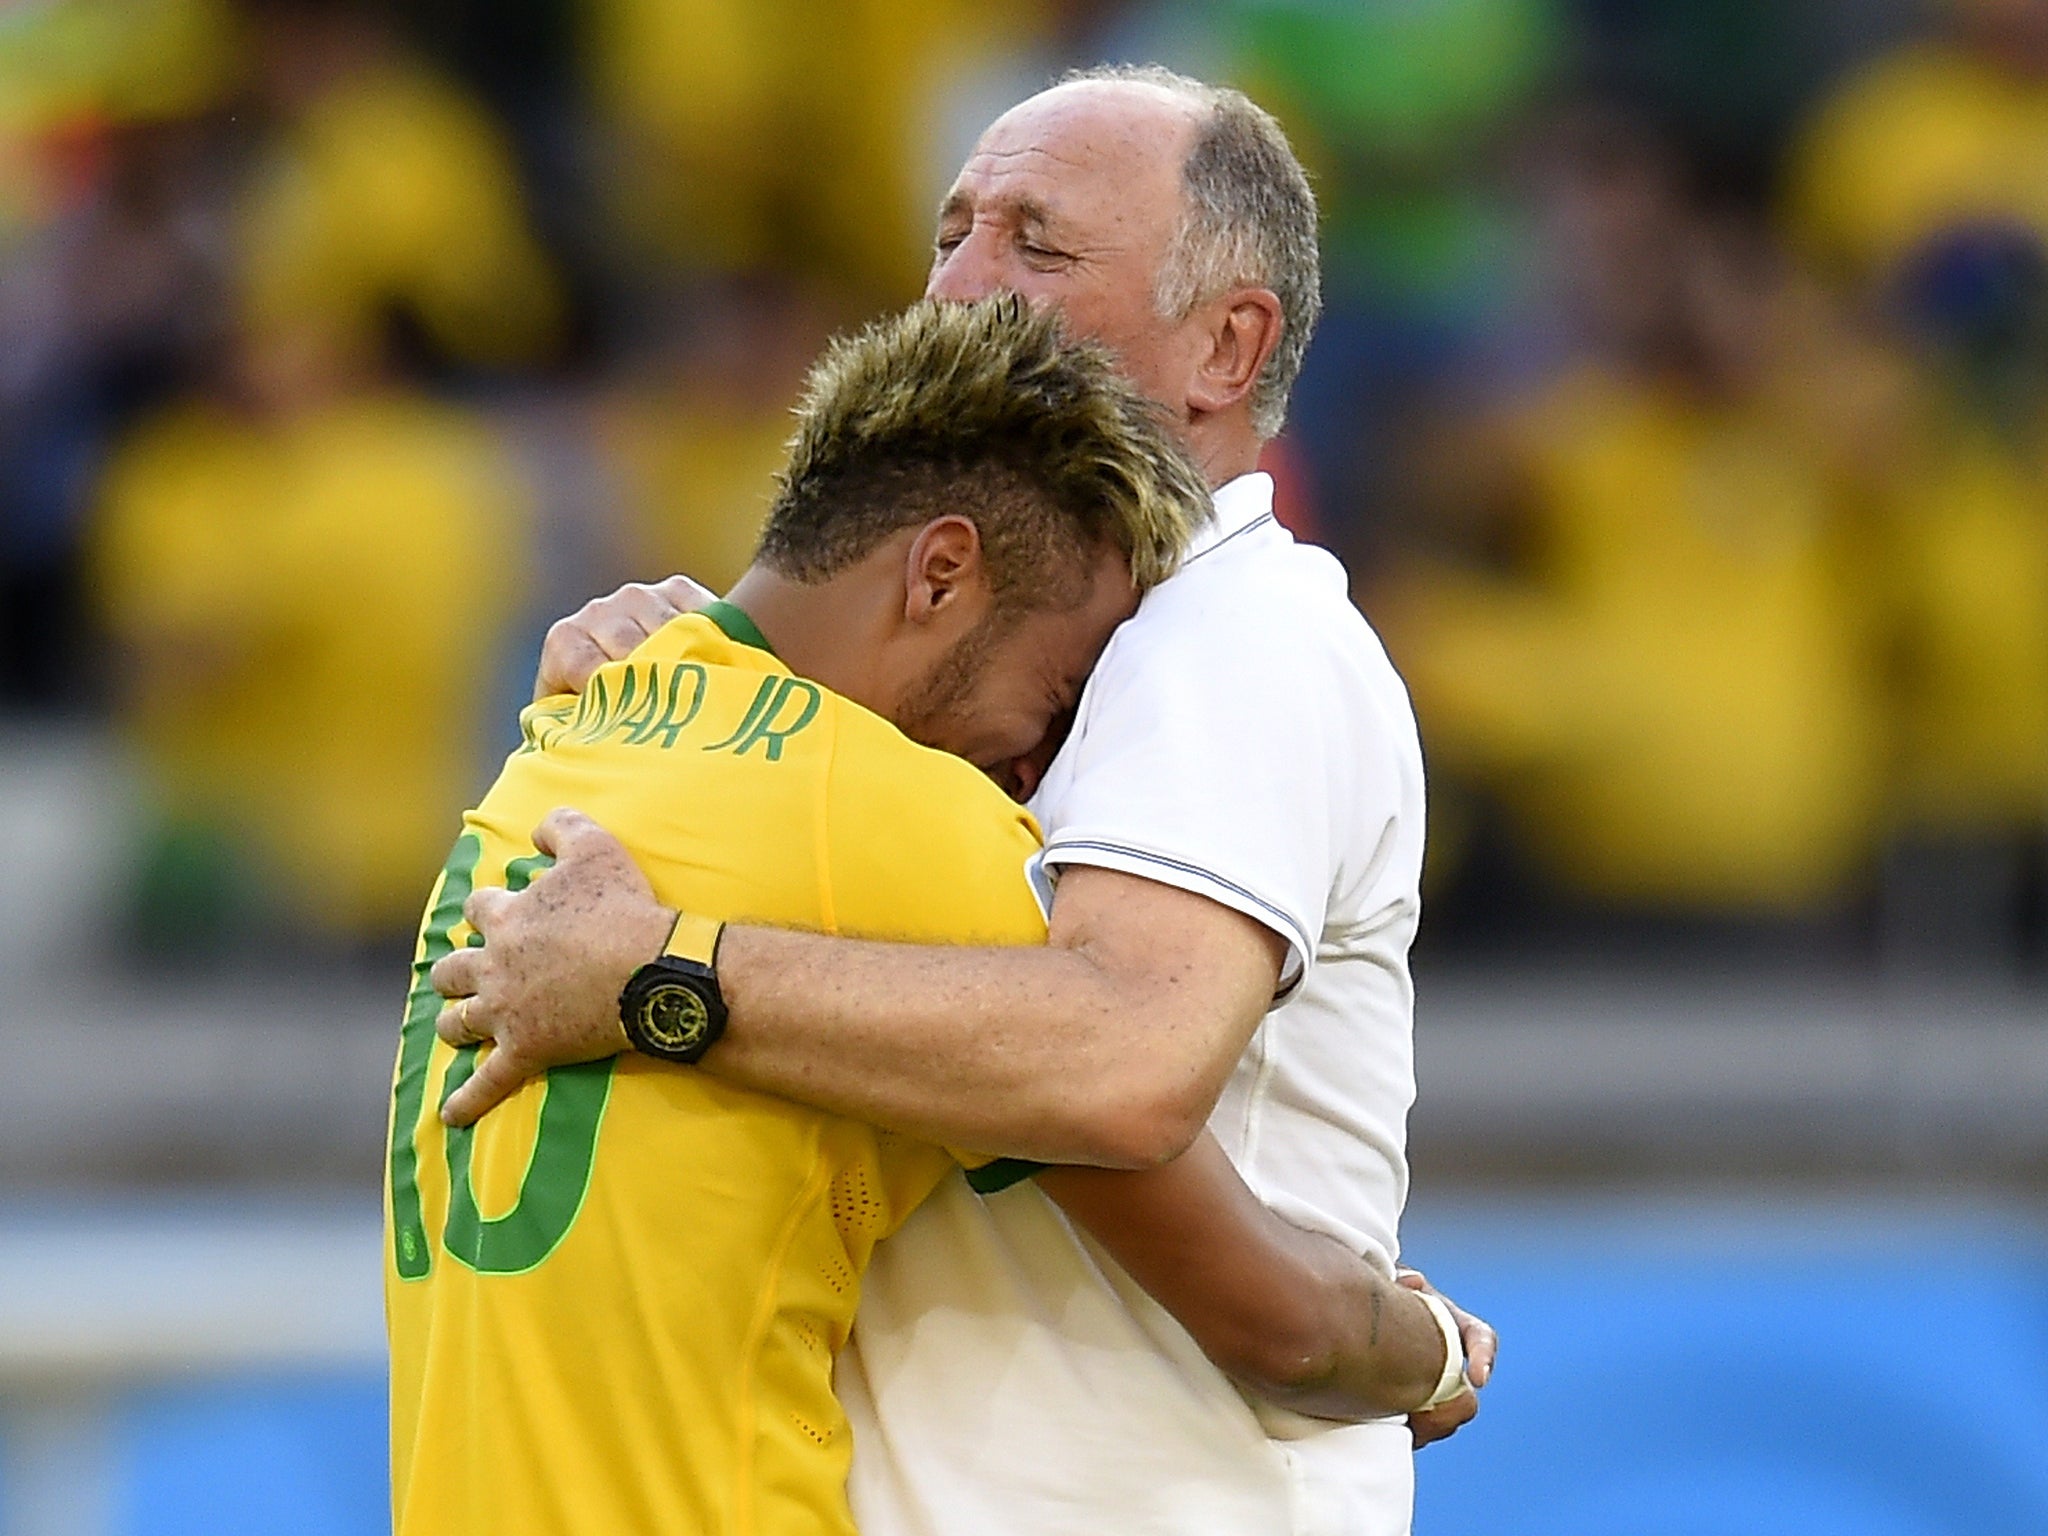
x=992 y=1178
x=736 y=624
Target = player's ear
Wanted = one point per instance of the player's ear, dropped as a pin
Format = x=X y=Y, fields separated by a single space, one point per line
x=944 y=564
x=1244 y=327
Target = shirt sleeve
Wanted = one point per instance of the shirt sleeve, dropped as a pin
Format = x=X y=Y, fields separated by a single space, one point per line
x=1212 y=764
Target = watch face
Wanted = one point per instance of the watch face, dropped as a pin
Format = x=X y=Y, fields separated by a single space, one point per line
x=673 y=1018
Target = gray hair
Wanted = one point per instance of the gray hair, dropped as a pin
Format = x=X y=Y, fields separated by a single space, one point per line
x=1248 y=216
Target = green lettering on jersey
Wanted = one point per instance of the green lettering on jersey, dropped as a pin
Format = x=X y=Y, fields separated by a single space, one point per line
x=558 y=1169
x=628 y=686
x=539 y=727
x=642 y=711
x=520 y=872
x=557 y=1175
x=763 y=699
x=565 y=1144
x=650 y=706
x=415 y=1050
x=761 y=724
x=591 y=706
x=671 y=723
x=766 y=730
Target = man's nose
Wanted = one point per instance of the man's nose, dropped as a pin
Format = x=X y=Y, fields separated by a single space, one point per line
x=973 y=269
x=1027 y=771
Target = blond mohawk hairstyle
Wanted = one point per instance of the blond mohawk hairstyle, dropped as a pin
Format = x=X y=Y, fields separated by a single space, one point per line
x=986 y=410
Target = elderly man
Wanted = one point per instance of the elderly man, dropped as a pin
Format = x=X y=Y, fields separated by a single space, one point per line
x=1235 y=822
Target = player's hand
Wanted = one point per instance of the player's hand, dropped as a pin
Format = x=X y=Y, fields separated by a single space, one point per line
x=1482 y=1345
x=610 y=628
x=545 y=985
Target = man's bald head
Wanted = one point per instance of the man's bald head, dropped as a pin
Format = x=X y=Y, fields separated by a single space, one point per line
x=1248 y=215
x=1166 y=217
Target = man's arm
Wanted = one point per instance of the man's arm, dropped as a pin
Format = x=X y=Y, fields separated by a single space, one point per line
x=1108 y=1046
x=1292 y=1315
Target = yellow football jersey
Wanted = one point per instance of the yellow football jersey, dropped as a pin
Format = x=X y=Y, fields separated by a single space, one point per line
x=615 y=1303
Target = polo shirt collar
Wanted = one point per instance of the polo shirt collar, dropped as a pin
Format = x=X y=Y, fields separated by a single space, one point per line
x=1241 y=504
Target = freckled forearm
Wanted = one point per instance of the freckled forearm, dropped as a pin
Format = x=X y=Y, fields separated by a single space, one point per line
x=1013 y=1052
x=1108 y=1045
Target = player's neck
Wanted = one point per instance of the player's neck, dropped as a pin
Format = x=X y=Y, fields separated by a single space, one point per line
x=819 y=630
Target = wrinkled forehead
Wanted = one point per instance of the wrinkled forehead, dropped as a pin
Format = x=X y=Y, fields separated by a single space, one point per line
x=1088 y=148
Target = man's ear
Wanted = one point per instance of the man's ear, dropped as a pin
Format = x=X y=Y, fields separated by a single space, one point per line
x=1244 y=328
x=943 y=567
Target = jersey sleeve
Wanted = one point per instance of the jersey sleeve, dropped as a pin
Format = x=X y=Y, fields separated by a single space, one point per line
x=1216 y=768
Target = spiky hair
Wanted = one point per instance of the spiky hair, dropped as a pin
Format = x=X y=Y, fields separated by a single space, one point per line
x=986 y=410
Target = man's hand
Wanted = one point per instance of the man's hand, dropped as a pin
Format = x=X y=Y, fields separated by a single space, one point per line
x=610 y=629
x=1482 y=1345
x=545 y=986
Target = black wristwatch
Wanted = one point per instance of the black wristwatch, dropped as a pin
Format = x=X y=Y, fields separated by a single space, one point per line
x=671 y=1007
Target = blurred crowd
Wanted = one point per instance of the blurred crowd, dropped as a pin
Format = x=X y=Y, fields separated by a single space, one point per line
x=1681 y=409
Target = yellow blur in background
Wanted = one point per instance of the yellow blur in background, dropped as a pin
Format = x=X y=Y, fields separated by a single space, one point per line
x=303 y=603
x=1680 y=408
x=1682 y=417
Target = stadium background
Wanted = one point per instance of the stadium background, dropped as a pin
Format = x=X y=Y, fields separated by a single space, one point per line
x=1682 y=411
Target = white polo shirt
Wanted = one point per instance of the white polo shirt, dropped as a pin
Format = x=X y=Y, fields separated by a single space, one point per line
x=1244 y=737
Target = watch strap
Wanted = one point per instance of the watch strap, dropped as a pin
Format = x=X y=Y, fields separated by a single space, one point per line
x=695 y=938
x=1452 y=1383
